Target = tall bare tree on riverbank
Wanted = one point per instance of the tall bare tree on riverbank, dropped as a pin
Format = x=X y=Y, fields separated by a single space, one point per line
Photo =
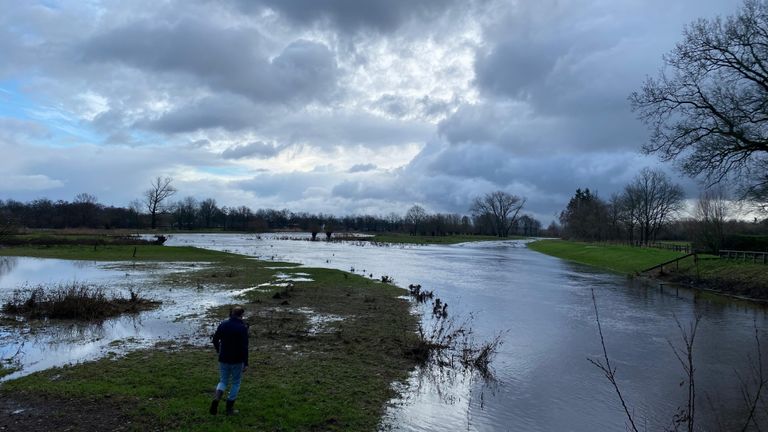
x=500 y=208
x=653 y=199
x=707 y=109
x=160 y=190
x=711 y=213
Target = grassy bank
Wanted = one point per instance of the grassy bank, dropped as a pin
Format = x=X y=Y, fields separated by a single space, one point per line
x=727 y=276
x=117 y=253
x=323 y=357
x=422 y=239
x=617 y=258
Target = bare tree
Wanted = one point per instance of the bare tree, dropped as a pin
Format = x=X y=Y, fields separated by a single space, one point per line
x=87 y=206
x=708 y=108
x=711 y=213
x=208 y=211
x=652 y=199
x=185 y=213
x=415 y=216
x=160 y=190
x=501 y=208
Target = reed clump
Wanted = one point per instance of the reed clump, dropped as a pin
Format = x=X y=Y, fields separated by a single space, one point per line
x=74 y=301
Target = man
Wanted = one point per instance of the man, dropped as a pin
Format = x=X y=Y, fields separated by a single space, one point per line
x=231 y=342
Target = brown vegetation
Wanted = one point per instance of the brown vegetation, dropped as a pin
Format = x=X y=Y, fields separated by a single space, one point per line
x=74 y=301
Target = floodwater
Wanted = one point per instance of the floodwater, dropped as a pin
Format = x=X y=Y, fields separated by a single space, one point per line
x=544 y=308
x=55 y=344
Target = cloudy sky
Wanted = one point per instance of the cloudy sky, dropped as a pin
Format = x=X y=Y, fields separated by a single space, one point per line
x=339 y=106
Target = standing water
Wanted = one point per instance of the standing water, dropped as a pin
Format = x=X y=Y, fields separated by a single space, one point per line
x=543 y=306
x=38 y=347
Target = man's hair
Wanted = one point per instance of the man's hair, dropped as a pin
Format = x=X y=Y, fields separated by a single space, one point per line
x=238 y=311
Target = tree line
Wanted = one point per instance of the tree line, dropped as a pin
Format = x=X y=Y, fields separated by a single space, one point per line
x=496 y=213
x=652 y=208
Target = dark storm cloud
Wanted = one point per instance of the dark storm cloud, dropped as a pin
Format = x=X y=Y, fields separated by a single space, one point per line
x=250 y=150
x=228 y=59
x=228 y=112
x=361 y=168
x=353 y=15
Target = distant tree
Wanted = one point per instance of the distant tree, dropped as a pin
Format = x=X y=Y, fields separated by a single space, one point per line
x=415 y=216
x=86 y=208
x=553 y=230
x=207 y=210
x=500 y=208
x=528 y=226
x=712 y=210
x=185 y=213
x=135 y=208
x=707 y=109
x=652 y=199
x=329 y=226
x=585 y=217
x=154 y=198
x=7 y=225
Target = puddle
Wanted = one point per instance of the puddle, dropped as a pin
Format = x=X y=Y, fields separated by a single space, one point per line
x=318 y=323
x=294 y=277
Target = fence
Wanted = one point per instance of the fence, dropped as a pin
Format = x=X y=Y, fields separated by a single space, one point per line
x=754 y=256
x=684 y=248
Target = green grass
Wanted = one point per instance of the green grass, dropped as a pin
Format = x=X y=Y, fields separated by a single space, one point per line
x=730 y=277
x=338 y=379
x=117 y=253
x=617 y=258
x=448 y=239
x=734 y=277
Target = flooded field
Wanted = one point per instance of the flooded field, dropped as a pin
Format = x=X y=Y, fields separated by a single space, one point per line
x=40 y=347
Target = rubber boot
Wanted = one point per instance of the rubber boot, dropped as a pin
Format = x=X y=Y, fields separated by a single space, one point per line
x=230 y=407
x=215 y=402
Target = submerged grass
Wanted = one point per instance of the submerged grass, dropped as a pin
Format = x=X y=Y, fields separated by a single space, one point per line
x=302 y=378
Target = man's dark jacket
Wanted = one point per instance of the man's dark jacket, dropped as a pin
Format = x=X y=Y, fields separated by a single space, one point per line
x=231 y=341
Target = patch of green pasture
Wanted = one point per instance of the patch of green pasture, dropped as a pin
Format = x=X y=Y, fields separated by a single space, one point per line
x=617 y=258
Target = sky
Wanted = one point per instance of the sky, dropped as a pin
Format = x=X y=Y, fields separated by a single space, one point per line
x=333 y=106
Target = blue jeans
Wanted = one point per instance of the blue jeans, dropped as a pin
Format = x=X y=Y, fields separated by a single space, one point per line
x=227 y=371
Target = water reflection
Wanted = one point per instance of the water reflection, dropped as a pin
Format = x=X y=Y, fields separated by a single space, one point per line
x=7 y=264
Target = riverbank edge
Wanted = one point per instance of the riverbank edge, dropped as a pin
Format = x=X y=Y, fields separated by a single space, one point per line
x=339 y=379
x=742 y=281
